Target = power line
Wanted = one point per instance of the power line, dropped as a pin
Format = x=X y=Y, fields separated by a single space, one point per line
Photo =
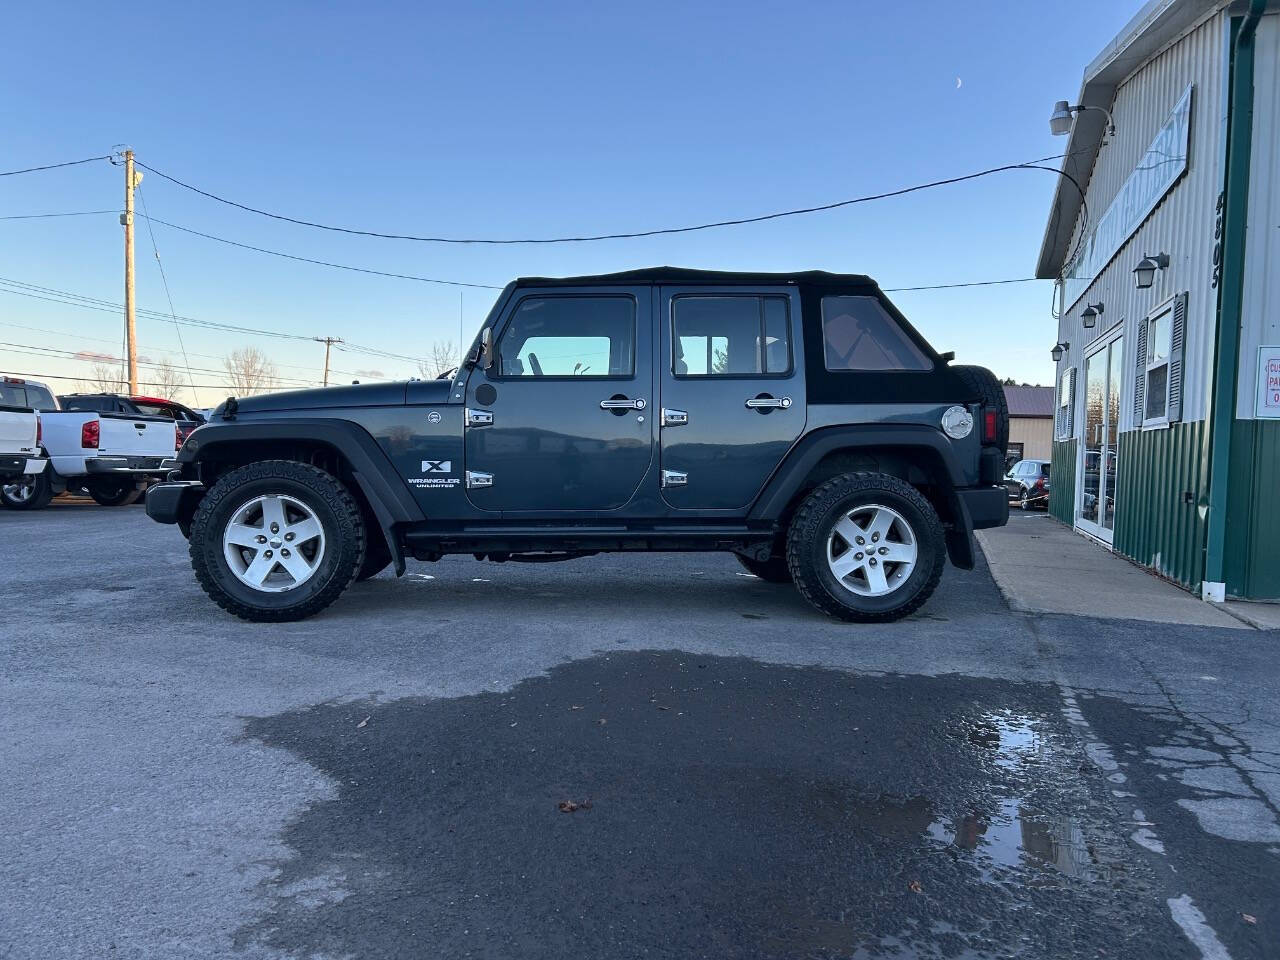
x=168 y=296
x=65 y=335
x=452 y=283
x=53 y=166
x=53 y=295
x=149 y=383
x=664 y=231
x=106 y=306
x=952 y=286
x=48 y=216
x=324 y=263
x=79 y=357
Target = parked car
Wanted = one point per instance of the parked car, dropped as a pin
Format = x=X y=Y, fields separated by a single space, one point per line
x=797 y=420
x=106 y=454
x=1028 y=484
x=20 y=454
x=186 y=418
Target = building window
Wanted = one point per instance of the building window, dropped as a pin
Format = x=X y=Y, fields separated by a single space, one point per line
x=1159 y=332
x=1062 y=421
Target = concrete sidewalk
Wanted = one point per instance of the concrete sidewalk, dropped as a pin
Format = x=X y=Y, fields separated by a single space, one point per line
x=1042 y=566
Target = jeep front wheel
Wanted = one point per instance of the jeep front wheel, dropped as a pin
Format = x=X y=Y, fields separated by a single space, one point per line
x=866 y=547
x=277 y=540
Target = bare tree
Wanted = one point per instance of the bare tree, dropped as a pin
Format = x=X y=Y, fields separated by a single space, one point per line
x=442 y=358
x=107 y=378
x=249 y=371
x=166 y=379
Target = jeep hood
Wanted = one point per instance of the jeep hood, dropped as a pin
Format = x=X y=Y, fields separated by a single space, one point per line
x=352 y=395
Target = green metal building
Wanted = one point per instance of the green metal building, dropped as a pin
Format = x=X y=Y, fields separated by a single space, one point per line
x=1164 y=237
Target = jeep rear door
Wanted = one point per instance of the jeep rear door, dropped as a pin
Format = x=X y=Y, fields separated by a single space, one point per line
x=733 y=396
x=561 y=421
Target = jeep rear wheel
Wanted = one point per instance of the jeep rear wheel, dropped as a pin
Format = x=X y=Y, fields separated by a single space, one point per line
x=277 y=540
x=866 y=547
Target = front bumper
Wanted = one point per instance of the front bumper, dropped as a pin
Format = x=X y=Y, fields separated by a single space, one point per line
x=157 y=466
x=174 y=501
x=13 y=466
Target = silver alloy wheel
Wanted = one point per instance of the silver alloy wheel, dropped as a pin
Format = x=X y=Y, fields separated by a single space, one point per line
x=22 y=491
x=273 y=543
x=871 y=550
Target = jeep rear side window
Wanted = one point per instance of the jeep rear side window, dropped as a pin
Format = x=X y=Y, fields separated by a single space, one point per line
x=570 y=337
x=727 y=336
x=859 y=334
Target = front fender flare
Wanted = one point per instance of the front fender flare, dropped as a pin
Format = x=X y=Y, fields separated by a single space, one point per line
x=373 y=471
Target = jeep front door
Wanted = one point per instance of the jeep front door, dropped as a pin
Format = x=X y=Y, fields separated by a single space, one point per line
x=733 y=398
x=561 y=419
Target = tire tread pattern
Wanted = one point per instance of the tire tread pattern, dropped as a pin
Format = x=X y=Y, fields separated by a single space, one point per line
x=805 y=529
x=325 y=485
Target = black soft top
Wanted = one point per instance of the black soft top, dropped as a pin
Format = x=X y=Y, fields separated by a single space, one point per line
x=938 y=385
x=683 y=276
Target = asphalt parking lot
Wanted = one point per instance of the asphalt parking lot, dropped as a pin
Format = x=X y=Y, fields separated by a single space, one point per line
x=619 y=756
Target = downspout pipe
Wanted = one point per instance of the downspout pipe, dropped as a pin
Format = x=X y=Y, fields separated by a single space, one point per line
x=1230 y=299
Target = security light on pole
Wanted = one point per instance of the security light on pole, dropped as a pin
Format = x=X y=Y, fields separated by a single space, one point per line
x=1064 y=114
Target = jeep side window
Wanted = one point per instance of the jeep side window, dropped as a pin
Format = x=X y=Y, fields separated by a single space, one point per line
x=859 y=334
x=725 y=336
x=570 y=337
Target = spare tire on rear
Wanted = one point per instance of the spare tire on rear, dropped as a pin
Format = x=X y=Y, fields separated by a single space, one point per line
x=989 y=389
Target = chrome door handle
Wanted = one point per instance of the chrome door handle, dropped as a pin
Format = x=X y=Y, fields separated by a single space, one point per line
x=623 y=404
x=769 y=403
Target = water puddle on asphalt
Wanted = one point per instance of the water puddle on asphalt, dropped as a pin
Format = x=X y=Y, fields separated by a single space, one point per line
x=1015 y=835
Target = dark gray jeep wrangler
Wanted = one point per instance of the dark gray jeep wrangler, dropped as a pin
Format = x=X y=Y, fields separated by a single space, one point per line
x=795 y=420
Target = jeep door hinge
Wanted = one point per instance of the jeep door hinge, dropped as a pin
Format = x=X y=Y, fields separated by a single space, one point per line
x=479 y=418
x=674 y=478
x=674 y=418
x=478 y=478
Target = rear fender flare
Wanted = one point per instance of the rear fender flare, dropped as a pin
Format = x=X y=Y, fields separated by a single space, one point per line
x=790 y=476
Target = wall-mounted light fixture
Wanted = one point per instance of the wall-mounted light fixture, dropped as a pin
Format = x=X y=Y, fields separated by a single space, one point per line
x=1145 y=271
x=1090 y=314
x=1064 y=113
x=1058 y=350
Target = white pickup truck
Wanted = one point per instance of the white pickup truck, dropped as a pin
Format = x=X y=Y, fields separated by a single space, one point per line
x=20 y=457
x=110 y=456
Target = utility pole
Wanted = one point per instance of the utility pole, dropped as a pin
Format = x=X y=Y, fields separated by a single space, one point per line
x=328 y=342
x=131 y=180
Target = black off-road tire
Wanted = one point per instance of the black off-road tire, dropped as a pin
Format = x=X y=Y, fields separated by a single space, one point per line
x=807 y=547
x=987 y=385
x=324 y=494
x=773 y=570
x=115 y=493
x=39 y=498
x=376 y=557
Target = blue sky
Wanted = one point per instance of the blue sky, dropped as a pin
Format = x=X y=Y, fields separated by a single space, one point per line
x=493 y=120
